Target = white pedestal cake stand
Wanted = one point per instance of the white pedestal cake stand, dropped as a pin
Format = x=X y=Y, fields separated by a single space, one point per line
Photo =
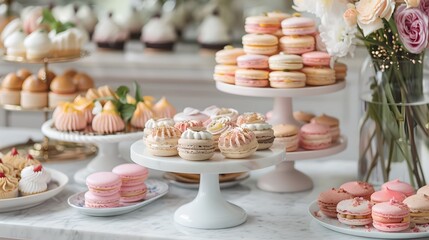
x=209 y=210
x=108 y=148
x=285 y=178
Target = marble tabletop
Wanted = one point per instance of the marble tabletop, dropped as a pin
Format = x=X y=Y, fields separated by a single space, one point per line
x=271 y=215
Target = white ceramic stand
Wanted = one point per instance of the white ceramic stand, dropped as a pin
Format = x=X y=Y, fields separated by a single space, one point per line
x=285 y=178
x=209 y=210
x=108 y=148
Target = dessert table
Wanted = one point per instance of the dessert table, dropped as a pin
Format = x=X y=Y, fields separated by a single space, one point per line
x=270 y=215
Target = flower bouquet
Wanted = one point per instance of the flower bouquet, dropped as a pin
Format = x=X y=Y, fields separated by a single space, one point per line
x=395 y=125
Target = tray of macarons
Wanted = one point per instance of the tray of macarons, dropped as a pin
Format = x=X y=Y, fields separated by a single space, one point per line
x=396 y=211
x=125 y=189
x=26 y=183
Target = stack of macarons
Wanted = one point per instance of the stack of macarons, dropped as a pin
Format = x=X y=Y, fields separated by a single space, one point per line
x=226 y=60
x=111 y=189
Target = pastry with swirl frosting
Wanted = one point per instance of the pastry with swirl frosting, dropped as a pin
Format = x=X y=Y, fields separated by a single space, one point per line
x=163 y=141
x=183 y=125
x=152 y=123
x=34 y=180
x=238 y=143
x=163 y=109
x=141 y=115
x=196 y=145
x=250 y=117
x=263 y=131
x=108 y=121
x=6 y=168
x=68 y=118
x=218 y=126
x=8 y=186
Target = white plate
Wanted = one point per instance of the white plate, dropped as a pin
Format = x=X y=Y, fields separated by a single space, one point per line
x=226 y=184
x=57 y=184
x=155 y=190
x=331 y=223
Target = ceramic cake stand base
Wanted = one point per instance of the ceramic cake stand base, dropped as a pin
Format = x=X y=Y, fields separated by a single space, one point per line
x=209 y=210
x=108 y=148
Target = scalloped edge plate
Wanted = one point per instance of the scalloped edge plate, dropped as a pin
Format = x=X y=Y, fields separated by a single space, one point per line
x=155 y=189
x=333 y=224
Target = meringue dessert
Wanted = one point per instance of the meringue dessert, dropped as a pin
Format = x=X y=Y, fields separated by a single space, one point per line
x=108 y=121
x=163 y=109
x=238 y=143
x=68 y=118
x=109 y=35
x=67 y=43
x=141 y=115
x=132 y=21
x=87 y=18
x=11 y=89
x=62 y=90
x=158 y=34
x=214 y=33
x=34 y=180
x=38 y=45
x=34 y=93
x=14 y=44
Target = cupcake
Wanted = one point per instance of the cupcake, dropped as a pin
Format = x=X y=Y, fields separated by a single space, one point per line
x=85 y=106
x=8 y=186
x=34 y=180
x=11 y=89
x=62 y=90
x=163 y=109
x=163 y=141
x=158 y=34
x=238 y=143
x=68 y=118
x=109 y=35
x=83 y=82
x=34 y=93
x=196 y=145
x=38 y=45
x=12 y=157
x=190 y=114
x=132 y=21
x=152 y=123
x=213 y=33
x=185 y=124
x=218 y=126
x=141 y=115
x=14 y=44
x=108 y=121
x=67 y=43
x=263 y=131
x=87 y=18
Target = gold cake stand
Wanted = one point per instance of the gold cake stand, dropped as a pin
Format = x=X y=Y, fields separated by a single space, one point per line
x=47 y=150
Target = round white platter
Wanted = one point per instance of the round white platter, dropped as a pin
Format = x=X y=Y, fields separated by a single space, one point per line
x=222 y=185
x=419 y=231
x=155 y=190
x=209 y=210
x=58 y=182
x=108 y=153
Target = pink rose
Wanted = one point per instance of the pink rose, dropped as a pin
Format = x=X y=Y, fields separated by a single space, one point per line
x=413 y=29
x=424 y=6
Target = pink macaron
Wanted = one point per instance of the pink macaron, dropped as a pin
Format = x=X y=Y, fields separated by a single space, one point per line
x=392 y=216
x=251 y=78
x=133 y=193
x=355 y=212
x=314 y=136
x=95 y=201
x=386 y=195
x=399 y=186
x=103 y=183
x=253 y=61
x=131 y=174
x=359 y=189
x=298 y=26
x=329 y=199
x=316 y=59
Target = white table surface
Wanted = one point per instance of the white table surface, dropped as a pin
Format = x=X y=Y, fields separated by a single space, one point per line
x=271 y=215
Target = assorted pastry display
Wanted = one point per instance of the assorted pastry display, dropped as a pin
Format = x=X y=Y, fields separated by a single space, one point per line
x=394 y=208
x=124 y=184
x=104 y=111
x=22 y=176
x=28 y=90
x=278 y=52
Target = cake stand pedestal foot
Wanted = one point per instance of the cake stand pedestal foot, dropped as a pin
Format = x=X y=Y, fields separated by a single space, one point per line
x=107 y=158
x=285 y=179
x=283 y=112
x=209 y=210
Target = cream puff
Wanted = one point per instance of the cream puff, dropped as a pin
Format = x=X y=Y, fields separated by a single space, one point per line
x=38 y=45
x=62 y=90
x=83 y=82
x=11 y=89
x=34 y=93
x=108 y=121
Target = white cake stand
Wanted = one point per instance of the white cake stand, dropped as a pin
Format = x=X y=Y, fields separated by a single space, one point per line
x=209 y=210
x=285 y=178
x=108 y=148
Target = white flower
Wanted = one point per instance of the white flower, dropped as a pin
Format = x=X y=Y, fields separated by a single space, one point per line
x=98 y=108
x=318 y=7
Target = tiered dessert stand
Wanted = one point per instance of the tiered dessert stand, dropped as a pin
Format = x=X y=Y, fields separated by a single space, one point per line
x=285 y=178
x=209 y=210
x=108 y=148
x=47 y=150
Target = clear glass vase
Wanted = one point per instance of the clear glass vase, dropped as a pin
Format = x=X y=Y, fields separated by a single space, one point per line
x=394 y=128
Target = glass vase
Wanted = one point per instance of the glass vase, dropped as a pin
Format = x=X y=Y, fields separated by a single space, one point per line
x=394 y=127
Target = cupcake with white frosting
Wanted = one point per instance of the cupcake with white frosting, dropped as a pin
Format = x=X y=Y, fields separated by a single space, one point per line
x=109 y=35
x=132 y=21
x=67 y=43
x=38 y=45
x=196 y=145
x=158 y=34
x=11 y=27
x=213 y=33
x=14 y=44
x=87 y=18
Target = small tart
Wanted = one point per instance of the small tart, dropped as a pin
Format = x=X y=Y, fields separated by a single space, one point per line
x=33 y=84
x=12 y=82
